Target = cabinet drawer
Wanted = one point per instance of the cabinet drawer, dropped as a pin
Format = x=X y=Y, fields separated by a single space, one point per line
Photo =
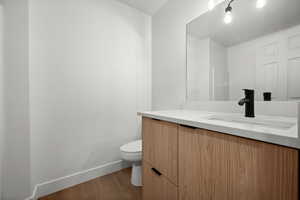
x=156 y=186
x=160 y=147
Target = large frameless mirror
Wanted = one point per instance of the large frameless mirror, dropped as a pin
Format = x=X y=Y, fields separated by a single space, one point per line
x=240 y=44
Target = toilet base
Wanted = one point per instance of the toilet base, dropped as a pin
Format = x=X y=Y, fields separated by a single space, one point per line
x=136 y=174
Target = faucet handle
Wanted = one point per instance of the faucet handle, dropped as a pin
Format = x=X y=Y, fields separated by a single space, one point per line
x=249 y=91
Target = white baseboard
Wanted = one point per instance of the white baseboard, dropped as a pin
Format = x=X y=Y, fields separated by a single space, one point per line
x=59 y=184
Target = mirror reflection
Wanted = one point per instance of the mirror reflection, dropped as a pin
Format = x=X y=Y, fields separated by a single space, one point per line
x=245 y=44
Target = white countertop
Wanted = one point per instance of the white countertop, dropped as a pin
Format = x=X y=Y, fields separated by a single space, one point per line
x=203 y=119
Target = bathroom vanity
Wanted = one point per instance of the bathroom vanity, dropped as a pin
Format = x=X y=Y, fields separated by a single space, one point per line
x=193 y=155
x=196 y=155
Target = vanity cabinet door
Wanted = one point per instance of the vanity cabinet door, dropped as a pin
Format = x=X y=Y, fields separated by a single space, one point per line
x=160 y=147
x=157 y=186
x=218 y=166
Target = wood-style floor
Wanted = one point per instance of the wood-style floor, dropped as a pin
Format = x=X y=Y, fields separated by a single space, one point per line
x=115 y=186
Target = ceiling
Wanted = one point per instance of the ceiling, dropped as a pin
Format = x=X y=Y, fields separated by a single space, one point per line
x=147 y=6
x=248 y=21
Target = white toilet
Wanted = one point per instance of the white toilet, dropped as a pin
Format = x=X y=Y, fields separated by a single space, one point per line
x=132 y=152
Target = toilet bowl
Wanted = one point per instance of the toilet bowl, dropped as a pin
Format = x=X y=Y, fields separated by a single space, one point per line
x=132 y=152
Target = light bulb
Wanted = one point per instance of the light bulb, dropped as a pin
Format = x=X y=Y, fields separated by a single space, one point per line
x=261 y=3
x=211 y=4
x=228 y=17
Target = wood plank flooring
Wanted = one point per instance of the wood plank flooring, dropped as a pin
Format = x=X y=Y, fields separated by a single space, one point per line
x=115 y=186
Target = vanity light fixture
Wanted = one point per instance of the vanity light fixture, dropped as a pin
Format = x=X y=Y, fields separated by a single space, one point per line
x=228 y=10
x=260 y=3
x=228 y=13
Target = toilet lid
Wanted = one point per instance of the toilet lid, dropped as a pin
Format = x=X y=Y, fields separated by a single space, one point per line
x=132 y=147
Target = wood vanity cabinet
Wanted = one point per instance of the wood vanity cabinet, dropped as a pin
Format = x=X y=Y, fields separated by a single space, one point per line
x=160 y=160
x=214 y=166
x=157 y=187
x=160 y=147
x=218 y=166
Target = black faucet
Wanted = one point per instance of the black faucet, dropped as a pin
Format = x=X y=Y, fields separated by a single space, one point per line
x=249 y=101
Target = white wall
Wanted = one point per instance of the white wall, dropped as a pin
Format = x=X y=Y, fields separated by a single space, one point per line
x=207 y=73
x=198 y=62
x=241 y=67
x=16 y=176
x=2 y=115
x=89 y=74
x=219 y=71
x=169 y=51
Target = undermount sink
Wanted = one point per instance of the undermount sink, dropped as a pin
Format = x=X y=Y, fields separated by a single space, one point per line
x=258 y=121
